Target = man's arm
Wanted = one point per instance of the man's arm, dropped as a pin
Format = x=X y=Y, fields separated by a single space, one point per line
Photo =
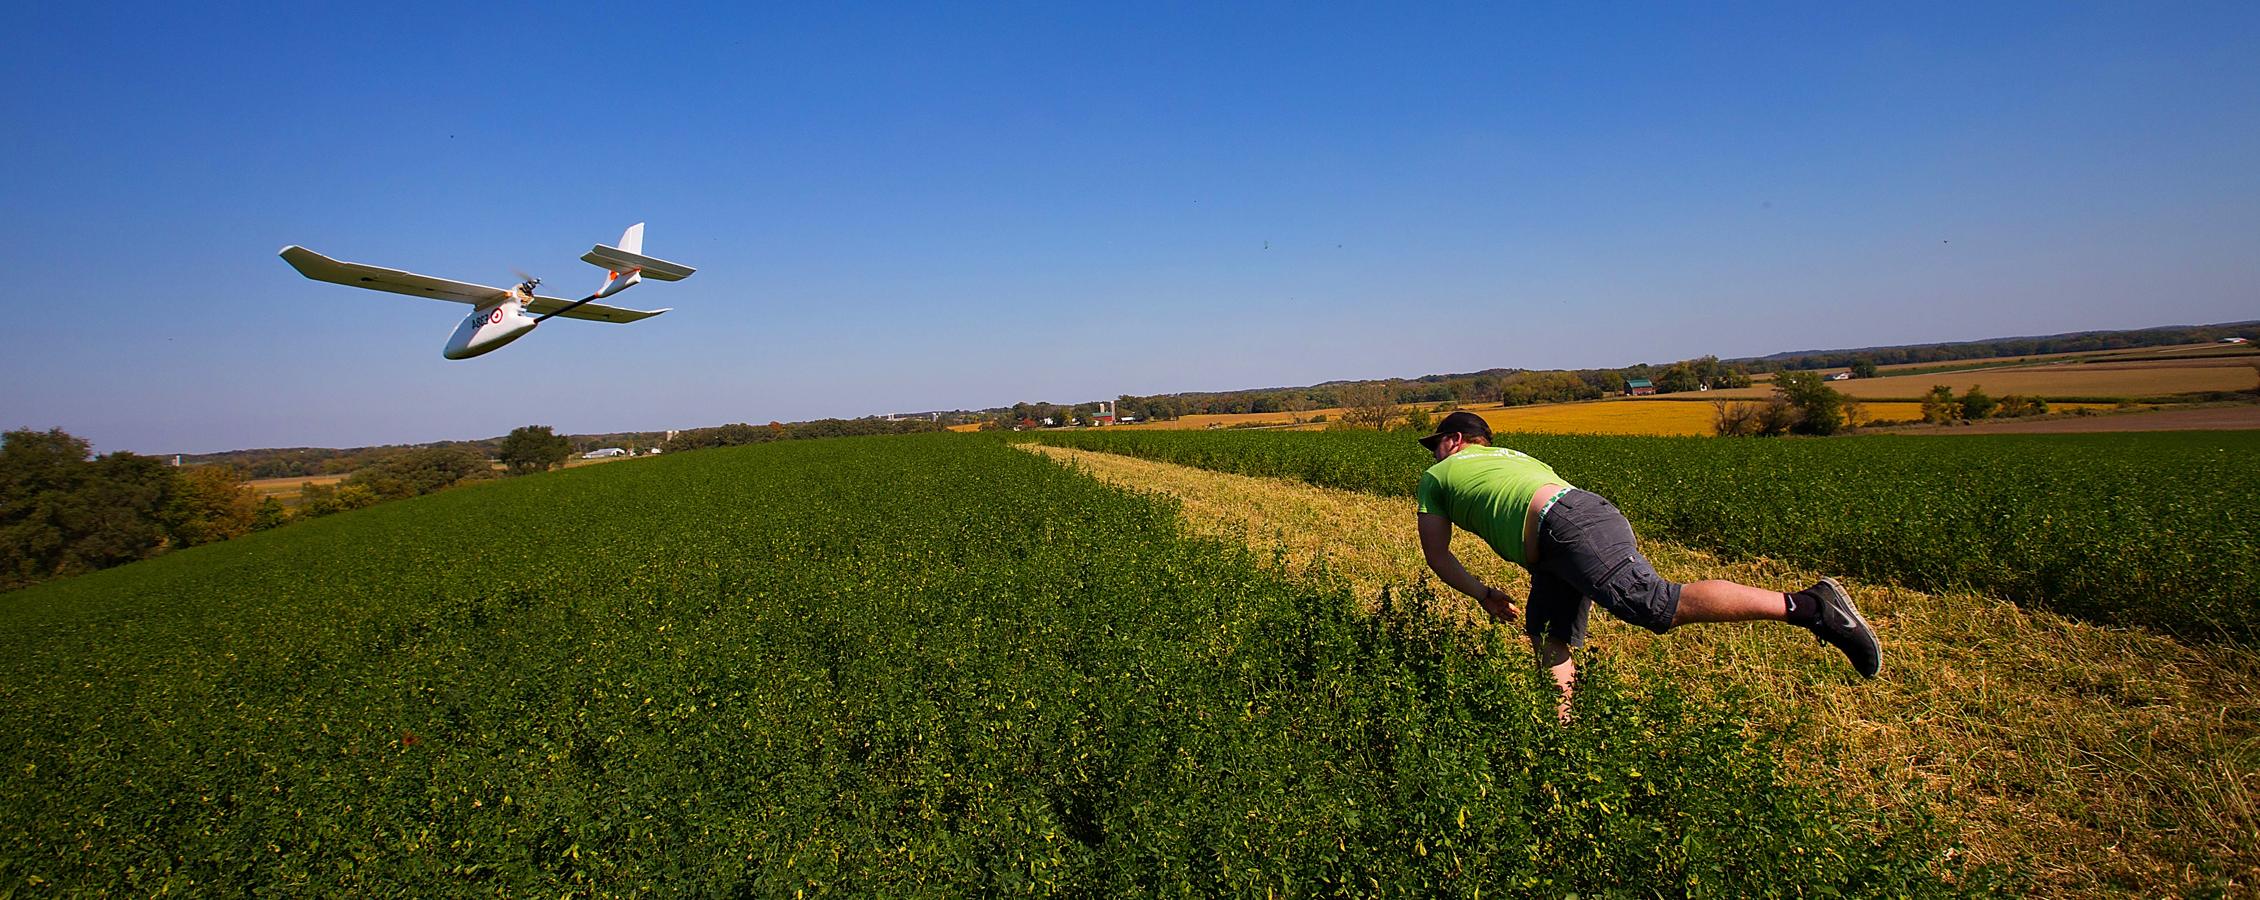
x=1436 y=546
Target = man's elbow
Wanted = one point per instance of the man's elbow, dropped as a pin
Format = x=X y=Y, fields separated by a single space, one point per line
x=1437 y=557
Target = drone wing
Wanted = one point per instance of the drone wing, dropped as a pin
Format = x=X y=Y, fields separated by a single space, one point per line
x=322 y=268
x=594 y=312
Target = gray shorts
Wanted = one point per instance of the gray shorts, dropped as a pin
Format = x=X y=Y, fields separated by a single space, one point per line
x=1587 y=555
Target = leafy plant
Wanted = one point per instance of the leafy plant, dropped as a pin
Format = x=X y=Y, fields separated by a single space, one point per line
x=917 y=665
x=2139 y=529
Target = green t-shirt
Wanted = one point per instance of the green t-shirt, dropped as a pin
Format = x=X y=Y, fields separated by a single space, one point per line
x=1486 y=490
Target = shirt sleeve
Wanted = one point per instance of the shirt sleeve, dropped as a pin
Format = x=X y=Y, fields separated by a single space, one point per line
x=1430 y=494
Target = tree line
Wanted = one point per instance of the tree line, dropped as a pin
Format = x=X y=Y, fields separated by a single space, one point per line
x=1509 y=387
x=740 y=433
x=2076 y=342
x=65 y=511
x=309 y=462
x=1803 y=403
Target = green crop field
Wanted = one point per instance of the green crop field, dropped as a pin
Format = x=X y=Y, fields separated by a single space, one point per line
x=2153 y=529
x=927 y=665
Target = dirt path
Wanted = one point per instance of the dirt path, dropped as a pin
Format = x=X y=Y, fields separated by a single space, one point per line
x=2098 y=761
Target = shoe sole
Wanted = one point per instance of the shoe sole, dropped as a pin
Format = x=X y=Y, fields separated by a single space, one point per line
x=1846 y=596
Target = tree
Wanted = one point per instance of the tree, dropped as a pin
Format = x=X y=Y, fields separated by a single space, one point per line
x=1779 y=416
x=1417 y=419
x=213 y=504
x=1736 y=419
x=1368 y=405
x=2018 y=406
x=316 y=501
x=419 y=472
x=1679 y=377
x=534 y=448
x=1296 y=404
x=1977 y=404
x=1863 y=368
x=270 y=514
x=61 y=514
x=39 y=472
x=120 y=515
x=1939 y=406
x=1820 y=408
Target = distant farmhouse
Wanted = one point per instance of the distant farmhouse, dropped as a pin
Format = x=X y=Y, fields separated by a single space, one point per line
x=606 y=453
x=1639 y=387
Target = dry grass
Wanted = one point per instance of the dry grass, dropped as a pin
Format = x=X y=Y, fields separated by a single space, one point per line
x=286 y=489
x=2084 y=356
x=2096 y=761
x=2064 y=380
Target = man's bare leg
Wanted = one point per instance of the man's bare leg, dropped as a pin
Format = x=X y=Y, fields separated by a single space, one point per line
x=1726 y=601
x=1554 y=657
x=1824 y=608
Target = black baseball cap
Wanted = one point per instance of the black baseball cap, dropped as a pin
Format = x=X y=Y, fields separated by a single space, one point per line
x=1461 y=422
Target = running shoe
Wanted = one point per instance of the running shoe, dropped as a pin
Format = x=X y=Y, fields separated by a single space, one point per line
x=1842 y=626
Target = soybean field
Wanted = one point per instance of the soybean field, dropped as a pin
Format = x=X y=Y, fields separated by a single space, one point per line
x=922 y=665
x=2154 y=529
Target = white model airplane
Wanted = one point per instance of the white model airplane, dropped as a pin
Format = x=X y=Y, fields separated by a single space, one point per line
x=501 y=315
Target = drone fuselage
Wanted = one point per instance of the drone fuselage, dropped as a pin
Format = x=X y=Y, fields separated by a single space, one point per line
x=489 y=328
x=503 y=315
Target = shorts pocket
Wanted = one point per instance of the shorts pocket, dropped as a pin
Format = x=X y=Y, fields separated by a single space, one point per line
x=1632 y=591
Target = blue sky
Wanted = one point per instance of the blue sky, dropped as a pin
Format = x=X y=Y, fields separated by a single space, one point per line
x=904 y=208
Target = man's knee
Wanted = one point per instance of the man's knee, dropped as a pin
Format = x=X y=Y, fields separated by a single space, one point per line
x=1636 y=594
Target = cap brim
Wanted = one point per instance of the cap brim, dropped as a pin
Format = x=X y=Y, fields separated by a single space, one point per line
x=1431 y=441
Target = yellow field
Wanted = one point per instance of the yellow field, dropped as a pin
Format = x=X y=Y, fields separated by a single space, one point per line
x=1642 y=417
x=2045 y=381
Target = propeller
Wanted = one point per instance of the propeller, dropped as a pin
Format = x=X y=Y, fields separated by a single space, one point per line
x=528 y=283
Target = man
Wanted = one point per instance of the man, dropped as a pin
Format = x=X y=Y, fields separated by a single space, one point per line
x=1580 y=551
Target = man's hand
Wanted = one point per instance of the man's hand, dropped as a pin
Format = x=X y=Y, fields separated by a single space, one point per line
x=1500 y=608
x=1436 y=546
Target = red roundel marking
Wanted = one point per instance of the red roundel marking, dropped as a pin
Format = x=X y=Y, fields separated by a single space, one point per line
x=495 y=317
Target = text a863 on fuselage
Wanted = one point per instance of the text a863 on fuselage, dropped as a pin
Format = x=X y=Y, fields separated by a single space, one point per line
x=501 y=316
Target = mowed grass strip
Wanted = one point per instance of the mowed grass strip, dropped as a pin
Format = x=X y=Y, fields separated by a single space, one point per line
x=2097 y=760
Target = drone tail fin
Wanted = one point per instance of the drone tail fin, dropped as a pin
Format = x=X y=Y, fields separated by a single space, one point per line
x=628 y=265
